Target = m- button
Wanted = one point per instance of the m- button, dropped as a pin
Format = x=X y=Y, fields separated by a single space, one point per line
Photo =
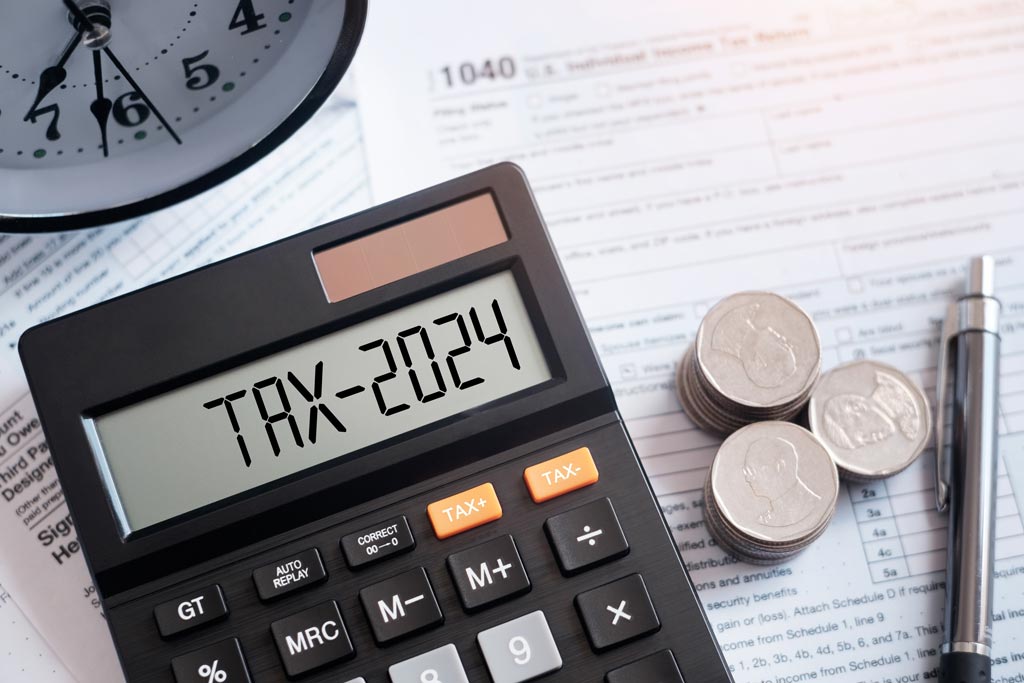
x=464 y=511
x=189 y=611
x=558 y=476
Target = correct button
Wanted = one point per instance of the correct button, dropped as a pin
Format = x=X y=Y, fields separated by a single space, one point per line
x=189 y=611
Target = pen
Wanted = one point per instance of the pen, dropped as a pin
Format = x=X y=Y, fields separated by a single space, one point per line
x=966 y=476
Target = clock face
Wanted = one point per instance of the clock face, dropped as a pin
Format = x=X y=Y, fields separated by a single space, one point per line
x=110 y=108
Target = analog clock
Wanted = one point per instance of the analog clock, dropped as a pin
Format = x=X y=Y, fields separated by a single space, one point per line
x=113 y=108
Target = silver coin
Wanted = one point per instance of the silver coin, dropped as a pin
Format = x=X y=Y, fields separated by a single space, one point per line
x=774 y=483
x=759 y=349
x=873 y=418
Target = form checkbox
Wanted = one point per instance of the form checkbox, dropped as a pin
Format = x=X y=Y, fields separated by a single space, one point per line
x=855 y=285
x=844 y=335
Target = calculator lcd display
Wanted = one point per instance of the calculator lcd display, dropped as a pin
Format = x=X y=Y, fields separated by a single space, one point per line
x=254 y=424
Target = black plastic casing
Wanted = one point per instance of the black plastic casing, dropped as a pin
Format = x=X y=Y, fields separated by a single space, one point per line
x=267 y=300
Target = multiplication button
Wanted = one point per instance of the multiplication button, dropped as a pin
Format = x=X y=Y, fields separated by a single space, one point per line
x=377 y=542
x=400 y=606
x=220 y=663
x=586 y=536
x=617 y=612
x=488 y=573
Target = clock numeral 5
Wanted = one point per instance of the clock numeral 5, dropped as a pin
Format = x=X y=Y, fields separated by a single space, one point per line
x=245 y=16
x=199 y=75
x=129 y=110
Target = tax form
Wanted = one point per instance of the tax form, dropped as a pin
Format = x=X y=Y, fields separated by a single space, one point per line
x=316 y=176
x=849 y=154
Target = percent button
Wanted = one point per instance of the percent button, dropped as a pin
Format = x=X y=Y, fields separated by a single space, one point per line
x=221 y=662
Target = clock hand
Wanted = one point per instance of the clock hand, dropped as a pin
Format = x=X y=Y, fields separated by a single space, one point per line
x=101 y=106
x=84 y=20
x=52 y=76
x=131 y=81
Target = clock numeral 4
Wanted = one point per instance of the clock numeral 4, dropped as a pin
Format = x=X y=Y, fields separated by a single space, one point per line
x=199 y=75
x=129 y=110
x=245 y=17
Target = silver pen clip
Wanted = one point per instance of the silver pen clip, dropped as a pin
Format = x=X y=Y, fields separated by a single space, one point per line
x=943 y=464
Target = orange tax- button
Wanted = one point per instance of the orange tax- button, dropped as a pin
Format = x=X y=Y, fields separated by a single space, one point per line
x=464 y=511
x=557 y=476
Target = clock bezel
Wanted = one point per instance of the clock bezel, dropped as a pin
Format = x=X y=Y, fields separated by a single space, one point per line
x=344 y=51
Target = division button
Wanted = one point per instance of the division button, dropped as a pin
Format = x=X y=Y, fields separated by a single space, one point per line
x=558 y=476
x=437 y=666
x=378 y=542
x=488 y=573
x=520 y=650
x=586 y=536
x=464 y=511
x=221 y=662
x=312 y=638
x=289 y=574
x=617 y=612
x=189 y=611
x=660 y=667
x=400 y=606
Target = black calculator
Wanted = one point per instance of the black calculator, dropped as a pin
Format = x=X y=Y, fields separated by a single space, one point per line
x=380 y=450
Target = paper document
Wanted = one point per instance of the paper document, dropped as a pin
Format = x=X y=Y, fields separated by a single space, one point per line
x=316 y=176
x=848 y=154
x=28 y=657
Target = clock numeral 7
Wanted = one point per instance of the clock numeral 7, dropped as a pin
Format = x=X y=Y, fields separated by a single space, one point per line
x=199 y=75
x=51 y=130
x=245 y=16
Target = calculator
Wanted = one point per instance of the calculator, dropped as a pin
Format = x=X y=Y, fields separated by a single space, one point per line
x=380 y=450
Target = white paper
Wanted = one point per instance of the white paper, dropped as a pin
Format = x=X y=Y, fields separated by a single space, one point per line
x=848 y=154
x=24 y=655
x=316 y=176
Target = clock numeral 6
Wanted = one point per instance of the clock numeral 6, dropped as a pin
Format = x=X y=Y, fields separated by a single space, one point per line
x=199 y=75
x=245 y=16
x=129 y=110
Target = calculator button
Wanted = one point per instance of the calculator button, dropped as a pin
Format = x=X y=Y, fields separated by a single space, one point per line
x=520 y=650
x=464 y=511
x=437 y=666
x=617 y=612
x=190 y=611
x=558 y=476
x=311 y=638
x=360 y=679
x=401 y=606
x=289 y=574
x=221 y=662
x=586 y=536
x=378 y=542
x=660 y=667
x=488 y=573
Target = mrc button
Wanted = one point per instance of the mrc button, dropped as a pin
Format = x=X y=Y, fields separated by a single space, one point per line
x=378 y=542
x=289 y=574
x=312 y=638
x=189 y=611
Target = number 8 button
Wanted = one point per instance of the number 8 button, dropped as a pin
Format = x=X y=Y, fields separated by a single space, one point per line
x=520 y=650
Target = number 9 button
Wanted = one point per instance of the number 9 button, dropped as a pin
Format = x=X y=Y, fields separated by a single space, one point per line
x=520 y=650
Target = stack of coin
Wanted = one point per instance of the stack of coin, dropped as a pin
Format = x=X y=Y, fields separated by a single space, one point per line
x=756 y=357
x=770 y=492
x=874 y=420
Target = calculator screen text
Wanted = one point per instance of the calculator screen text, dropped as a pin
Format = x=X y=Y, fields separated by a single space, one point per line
x=318 y=401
